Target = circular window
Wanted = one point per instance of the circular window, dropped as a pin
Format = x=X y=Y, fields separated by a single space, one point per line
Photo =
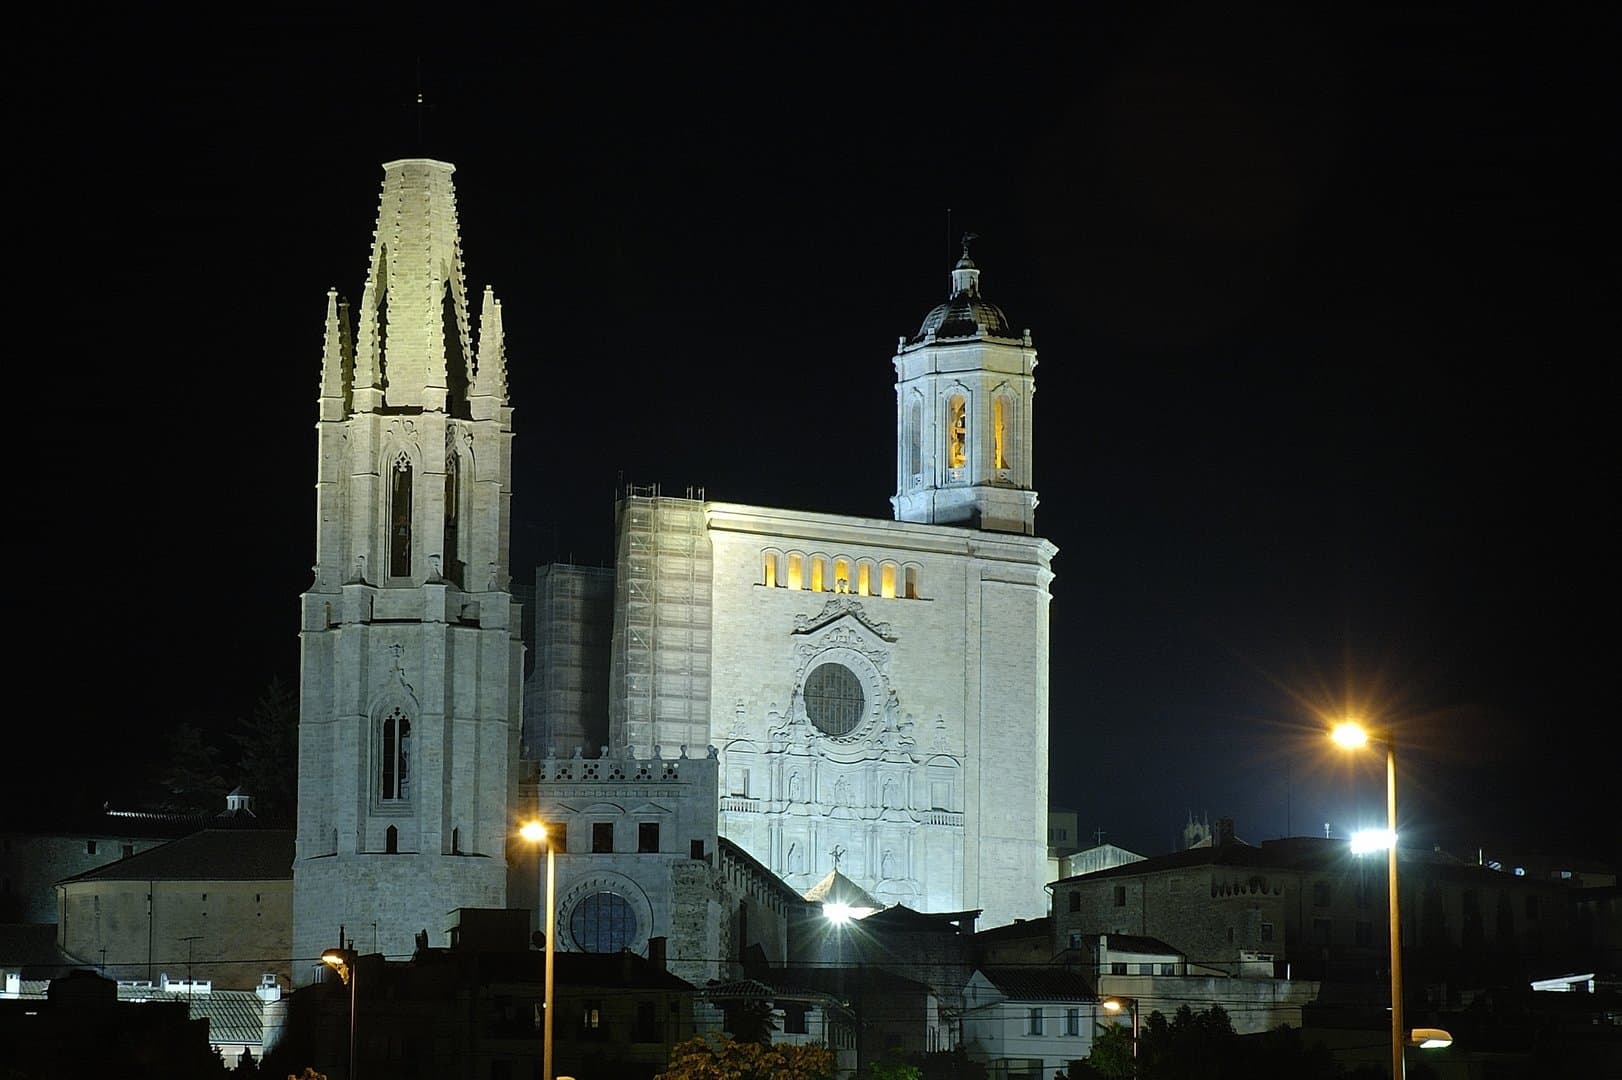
x=603 y=922
x=834 y=699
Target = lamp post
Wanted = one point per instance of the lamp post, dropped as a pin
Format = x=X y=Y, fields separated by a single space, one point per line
x=535 y=833
x=1352 y=735
x=1115 y=1005
x=342 y=960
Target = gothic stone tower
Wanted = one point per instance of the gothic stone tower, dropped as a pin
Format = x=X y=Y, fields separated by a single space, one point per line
x=412 y=659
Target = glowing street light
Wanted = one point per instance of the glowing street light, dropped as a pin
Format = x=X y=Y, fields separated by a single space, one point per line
x=343 y=962
x=535 y=833
x=1115 y=1005
x=1353 y=736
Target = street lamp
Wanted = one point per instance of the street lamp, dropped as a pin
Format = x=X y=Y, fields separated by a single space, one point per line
x=535 y=833
x=1115 y=1005
x=343 y=962
x=1352 y=735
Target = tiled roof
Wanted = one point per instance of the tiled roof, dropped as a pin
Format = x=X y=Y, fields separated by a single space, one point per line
x=209 y=855
x=902 y=917
x=1039 y=982
x=1136 y=944
x=1020 y=928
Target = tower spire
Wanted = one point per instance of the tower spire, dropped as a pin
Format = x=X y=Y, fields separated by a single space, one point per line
x=337 y=359
x=490 y=378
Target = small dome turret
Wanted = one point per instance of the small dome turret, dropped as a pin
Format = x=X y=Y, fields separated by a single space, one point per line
x=967 y=314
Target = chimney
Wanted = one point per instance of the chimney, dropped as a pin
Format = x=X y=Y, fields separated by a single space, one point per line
x=656 y=953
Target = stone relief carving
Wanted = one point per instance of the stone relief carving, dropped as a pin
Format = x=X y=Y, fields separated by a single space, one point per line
x=836 y=608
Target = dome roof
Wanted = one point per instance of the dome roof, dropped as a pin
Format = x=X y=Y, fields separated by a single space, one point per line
x=967 y=314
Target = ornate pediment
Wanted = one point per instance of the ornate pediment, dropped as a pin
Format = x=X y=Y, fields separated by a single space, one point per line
x=838 y=608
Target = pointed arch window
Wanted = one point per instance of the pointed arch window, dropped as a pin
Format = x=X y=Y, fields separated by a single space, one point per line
x=1000 y=410
x=394 y=756
x=957 y=432
x=400 y=517
x=453 y=518
x=915 y=436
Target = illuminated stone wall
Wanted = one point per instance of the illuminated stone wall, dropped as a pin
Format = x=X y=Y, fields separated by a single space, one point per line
x=936 y=795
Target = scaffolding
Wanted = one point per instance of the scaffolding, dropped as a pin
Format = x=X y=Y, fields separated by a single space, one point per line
x=566 y=695
x=660 y=673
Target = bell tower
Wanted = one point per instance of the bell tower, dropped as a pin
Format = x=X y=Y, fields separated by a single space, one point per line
x=411 y=654
x=964 y=384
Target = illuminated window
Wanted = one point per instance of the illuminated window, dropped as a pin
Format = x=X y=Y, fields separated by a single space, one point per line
x=841 y=575
x=833 y=699
x=395 y=757
x=818 y=568
x=999 y=431
x=768 y=570
x=912 y=583
x=887 y=581
x=957 y=432
x=864 y=579
x=603 y=923
x=796 y=571
x=400 y=518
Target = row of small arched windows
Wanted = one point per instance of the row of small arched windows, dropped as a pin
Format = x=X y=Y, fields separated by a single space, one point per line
x=838 y=574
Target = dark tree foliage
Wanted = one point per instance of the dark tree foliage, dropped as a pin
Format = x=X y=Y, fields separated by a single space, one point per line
x=192 y=780
x=267 y=751
x=751 y=1022
x=1203 y=1046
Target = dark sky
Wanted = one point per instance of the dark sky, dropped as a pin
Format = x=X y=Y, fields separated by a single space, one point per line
x=1324 y=305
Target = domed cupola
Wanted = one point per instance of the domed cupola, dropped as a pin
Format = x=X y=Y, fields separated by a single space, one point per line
x=967 y=314
x=964 y=385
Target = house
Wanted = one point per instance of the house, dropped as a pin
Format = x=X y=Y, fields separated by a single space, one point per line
x=1026 y=1021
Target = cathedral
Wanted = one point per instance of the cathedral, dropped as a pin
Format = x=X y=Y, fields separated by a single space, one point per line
x=871 y=694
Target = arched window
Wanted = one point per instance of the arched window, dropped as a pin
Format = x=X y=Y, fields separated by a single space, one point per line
x=915 y=436
x=887 y=581
x=911 y=592
x=453 y=519
x=391 y=841
x=957 y=432
x=768 y=570
x=818 y=569
x=864 y=579
x=796 y=572
x=999 y=431
x=395 y=756
x=400 y=517
x=841 y=575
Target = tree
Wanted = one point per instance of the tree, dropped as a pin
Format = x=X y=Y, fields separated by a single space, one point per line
x=192 y=782
x=1111 y=1055
x=894 y=1067
x=720 y=1057
x=267 y=750
x=752 y=1022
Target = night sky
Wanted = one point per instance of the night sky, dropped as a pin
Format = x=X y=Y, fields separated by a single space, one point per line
x=1324 y=305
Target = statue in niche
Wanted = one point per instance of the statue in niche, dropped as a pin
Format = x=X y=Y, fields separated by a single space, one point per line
x=794 y=793
x=887 y=865
x=891 y=794
x=792 y=862
x=842 y=792
x=892 y=711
